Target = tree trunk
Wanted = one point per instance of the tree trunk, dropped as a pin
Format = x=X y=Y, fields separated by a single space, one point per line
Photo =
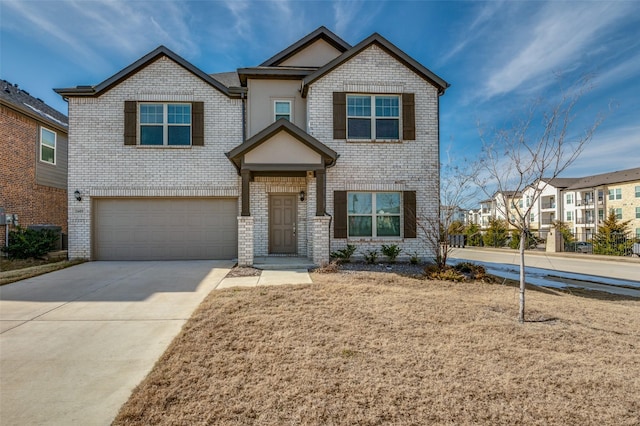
x=523 y=238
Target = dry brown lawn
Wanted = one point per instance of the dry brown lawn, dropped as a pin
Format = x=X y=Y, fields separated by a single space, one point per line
x=375 y=349
x=17 y=270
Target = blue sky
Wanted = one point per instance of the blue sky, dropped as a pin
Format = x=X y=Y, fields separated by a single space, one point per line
x=498 y=56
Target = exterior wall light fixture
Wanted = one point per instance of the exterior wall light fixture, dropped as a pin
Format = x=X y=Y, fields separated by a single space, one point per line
x=302 y=195
x=78 y=195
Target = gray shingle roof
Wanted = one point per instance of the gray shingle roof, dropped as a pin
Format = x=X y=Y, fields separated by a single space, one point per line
x=22 y=100
x=620 y=176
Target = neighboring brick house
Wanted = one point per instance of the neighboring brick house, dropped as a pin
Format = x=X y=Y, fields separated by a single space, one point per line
x=321 y=145
x=33 y=160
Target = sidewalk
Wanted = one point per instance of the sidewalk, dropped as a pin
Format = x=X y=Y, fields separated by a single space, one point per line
x=275 y=277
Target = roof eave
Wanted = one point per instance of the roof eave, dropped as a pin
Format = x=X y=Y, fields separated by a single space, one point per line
x=137 y=66
x=390 y=48
x=320 y=33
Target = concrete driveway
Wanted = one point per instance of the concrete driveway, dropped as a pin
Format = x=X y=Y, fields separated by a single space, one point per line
x=74 y=343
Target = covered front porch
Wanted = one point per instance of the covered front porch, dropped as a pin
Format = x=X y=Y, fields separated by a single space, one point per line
x=283 y=195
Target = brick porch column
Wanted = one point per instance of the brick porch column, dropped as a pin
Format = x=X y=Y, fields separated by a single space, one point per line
x=321 y=239
x=245 y=240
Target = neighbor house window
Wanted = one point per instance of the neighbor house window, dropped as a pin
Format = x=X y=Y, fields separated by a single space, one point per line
x=373 y=117
x=165 y=124
x=569 y=198
x=532 y=217
x=637 y=212
x=373 y=214
x=617 y=212
x=615 y=194
x=637 y=232
x=47 y=146
x=600 y=214
x=569 y=216
x=637 y=191
x=282 y=109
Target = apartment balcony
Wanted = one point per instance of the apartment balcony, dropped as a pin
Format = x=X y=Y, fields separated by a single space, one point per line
x=588 y=203
x=548 y=205
x=546 y=221
x=585 y=221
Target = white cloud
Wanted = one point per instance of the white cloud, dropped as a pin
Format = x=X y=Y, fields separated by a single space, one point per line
x=557 y=36
x=85 y=32
x=353 y=16
x=609 y=150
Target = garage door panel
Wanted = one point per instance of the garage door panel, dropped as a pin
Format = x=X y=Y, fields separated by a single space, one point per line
x=165 y=229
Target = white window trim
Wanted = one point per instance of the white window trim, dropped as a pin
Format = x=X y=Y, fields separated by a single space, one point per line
x=55 y=146
x=165 y=125
x=373 y=117
x=288 y=101
x=374 y=214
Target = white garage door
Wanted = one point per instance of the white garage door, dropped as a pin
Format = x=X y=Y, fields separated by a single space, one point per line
x=165 y=228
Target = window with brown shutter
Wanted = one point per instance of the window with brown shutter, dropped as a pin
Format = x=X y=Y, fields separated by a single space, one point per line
x=197 y=131
x=130 y=122
x=409 y=204
x=408 y=117
x=339 y=115
x=340 y=214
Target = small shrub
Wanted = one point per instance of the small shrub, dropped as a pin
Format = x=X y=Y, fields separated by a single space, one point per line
x=27 y=243
x=328 y=268
x=415 y=258
x=345 y=254
x=371 y=256
x=391 y=251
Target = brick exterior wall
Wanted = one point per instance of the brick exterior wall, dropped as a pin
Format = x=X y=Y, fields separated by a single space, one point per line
x=100 y=165
x=366 y=166
x=19 y=193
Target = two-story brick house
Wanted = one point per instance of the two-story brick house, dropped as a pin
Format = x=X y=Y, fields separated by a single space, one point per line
x=321 y=145
x=33 y=160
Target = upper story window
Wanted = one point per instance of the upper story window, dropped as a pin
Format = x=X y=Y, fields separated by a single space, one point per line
x=282 y=109
x=48 y=146
x=637 y=191
x=165 y=124
x=373 y=117
x=569 y=198
x=615 y=194
x=373 y=214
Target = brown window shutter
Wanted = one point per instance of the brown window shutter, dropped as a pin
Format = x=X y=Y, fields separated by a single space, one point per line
x=130 y=122
x=339 y=115
x=197 y=123
x=409 y=204
x=340 y=214
x=408 y=117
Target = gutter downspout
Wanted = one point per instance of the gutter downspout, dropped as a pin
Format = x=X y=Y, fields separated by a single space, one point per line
x=244 y=112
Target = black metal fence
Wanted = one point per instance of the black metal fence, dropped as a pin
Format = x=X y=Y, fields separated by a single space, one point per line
x=614 y=244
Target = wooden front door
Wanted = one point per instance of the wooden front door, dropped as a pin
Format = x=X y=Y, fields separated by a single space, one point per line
x=282 y=224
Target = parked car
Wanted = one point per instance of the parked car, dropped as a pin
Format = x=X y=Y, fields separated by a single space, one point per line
x=580 y=247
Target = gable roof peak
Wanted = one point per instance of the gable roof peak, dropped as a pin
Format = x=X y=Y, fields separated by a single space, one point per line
x=138 y=65
x=391 y=49
x=321 y=32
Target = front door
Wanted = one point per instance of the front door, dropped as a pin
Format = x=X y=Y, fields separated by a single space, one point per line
x=282 y=224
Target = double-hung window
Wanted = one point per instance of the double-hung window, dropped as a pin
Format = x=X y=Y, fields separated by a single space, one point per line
x=373 y=214
x=165 y=124
x=569 y=216
x=373 y=117
x=617 y=212
x=569 y=198
x=282 y=109
x=615 y=194
x=637 y=191
x=47 y=146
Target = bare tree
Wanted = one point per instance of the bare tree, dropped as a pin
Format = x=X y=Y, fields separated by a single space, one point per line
x=457 y=189
x=518 y=162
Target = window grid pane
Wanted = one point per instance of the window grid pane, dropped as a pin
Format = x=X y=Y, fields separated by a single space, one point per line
x=387 y=106
x=179 y=114
x=359 y=106
x=151 y=114
x=151 y=135
x=179 y=135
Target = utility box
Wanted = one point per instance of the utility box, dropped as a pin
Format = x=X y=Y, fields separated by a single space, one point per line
x=55 y=228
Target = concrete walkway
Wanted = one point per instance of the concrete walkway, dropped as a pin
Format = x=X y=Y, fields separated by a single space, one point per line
x=268 y=277
x=74 y=343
